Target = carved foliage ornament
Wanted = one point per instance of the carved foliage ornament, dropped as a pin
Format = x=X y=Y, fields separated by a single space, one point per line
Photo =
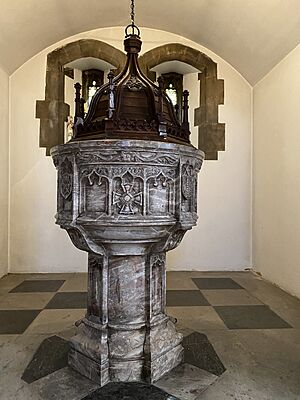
x=133 y=171
x=134 y=84
x=159 y=158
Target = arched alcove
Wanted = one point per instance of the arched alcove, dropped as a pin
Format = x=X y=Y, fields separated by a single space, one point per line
x=211 y=132
x=53 y=111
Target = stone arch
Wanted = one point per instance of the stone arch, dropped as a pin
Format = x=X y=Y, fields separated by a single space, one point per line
x=53 y=111
x=211 y=132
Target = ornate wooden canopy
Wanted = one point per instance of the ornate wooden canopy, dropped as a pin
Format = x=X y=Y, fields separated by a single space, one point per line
x=131 y=106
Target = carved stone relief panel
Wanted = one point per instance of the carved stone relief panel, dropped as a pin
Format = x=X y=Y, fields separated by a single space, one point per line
x=97 y=281
x=65 y=192
x=188 y=181
x=127 y=190
x=66 y=177
x=127 y=195
x=157 y=265
x=94 y=191
x=131 y=201
x=160 y=191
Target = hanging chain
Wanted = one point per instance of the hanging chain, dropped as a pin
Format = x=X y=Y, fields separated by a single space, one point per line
x=132 y=14
x=132 y=26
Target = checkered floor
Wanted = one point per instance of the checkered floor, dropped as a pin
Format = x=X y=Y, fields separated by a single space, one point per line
x=234 y=321
x=45 y=304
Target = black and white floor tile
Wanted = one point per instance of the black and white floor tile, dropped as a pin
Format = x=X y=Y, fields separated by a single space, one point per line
x=37 y=315
x=226 y=302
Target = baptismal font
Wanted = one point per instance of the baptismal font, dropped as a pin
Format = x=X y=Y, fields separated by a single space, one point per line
x=127 y=193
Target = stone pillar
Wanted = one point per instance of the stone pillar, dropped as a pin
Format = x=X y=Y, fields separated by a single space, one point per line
x=89 y=348
x=126 y=203
x=126 y=321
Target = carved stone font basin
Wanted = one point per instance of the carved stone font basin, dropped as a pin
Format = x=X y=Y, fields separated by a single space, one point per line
x=126 y=203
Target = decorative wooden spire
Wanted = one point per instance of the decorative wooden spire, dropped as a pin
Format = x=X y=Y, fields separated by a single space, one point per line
x=131 y=106
x=185 y=110
x=79 y=103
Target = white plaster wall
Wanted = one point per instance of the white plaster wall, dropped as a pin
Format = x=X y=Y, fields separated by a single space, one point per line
x=36 y=243
x=222 y=239
x=4 y=145
x=276 y=152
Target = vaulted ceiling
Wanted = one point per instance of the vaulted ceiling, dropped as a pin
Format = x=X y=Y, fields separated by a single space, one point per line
x=252 y=35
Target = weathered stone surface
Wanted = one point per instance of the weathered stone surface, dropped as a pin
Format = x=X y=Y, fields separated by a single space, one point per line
x=89 y=368
x=126 y=203
x=186 y=382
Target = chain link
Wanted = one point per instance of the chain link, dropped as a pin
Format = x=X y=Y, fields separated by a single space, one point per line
x=132 y=14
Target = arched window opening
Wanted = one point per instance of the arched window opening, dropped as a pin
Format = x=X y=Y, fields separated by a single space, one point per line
x=173 y=86
x=90 y=73
x=92 y=80
x=211 y=133
x=54 y=110
x=172 y=93
x=178 y=76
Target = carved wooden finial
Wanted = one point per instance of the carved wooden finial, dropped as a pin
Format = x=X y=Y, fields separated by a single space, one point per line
x=78 y=106
x=160 y=82
x=185 y=117
x=176 y=108
x=82 y=102
x=162 y=126
x=111 y=89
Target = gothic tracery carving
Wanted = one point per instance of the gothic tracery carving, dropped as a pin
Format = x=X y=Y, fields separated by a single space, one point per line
x=187 y=180
x=157 y=265
x=66 y=178
x=96 y=171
